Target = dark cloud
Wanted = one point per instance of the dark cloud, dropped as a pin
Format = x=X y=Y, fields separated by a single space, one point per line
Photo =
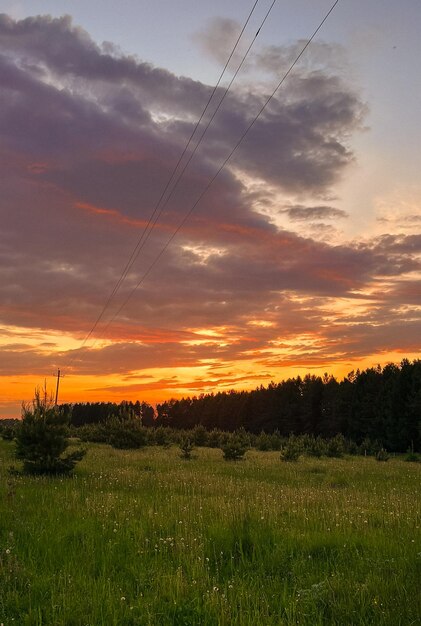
x=299 y=213
x=43 y=44
x=176 y=384
x=324 y=56
x=88 y=140
x=86 y=98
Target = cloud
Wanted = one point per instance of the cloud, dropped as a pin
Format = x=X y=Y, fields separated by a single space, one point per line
x=88 y=141
x=80 y=90
x=299 y=213
x=328 y=57
x=217 y=39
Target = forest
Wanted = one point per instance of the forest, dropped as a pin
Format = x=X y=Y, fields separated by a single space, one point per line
x=382 y=404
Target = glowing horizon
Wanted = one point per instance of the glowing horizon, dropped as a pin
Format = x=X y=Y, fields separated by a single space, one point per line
x=303 y=256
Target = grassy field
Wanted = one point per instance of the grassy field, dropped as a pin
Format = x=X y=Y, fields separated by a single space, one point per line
x=143 y=537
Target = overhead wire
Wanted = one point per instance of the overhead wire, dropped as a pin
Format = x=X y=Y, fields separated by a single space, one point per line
x=234 y=149
x=221 y=167
x=152 y=225
x=141 y=241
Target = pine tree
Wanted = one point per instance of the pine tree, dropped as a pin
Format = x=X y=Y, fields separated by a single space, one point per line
x=42 y=438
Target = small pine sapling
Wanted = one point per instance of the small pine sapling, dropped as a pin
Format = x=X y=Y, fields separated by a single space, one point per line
x=42 y=438
x=291 y=452
x=186 y=446
x=382 y=455
x=234 y=449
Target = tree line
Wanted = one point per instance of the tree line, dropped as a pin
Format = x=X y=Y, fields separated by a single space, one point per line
x=377 y=403
x=382 y=404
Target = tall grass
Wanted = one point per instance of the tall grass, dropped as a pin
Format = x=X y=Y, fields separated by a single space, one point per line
x=146 y=538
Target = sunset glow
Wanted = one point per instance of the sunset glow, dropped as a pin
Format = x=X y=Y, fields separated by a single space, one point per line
x=302 y=256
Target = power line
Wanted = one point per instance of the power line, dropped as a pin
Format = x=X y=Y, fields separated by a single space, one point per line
x=159 y=213
x=278 y=86
x=141 y=241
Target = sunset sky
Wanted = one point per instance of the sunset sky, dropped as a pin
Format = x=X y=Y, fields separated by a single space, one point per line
x=302 y=256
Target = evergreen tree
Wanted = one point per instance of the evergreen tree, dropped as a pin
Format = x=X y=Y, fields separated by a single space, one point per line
x=42 y=438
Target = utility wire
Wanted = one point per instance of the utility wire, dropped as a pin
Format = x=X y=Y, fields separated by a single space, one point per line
x=141 y=241
x=151 y=224
x=203 y=133
x=278 y=86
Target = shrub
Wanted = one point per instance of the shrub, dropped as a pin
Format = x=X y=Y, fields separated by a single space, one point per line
x=290 y=452
x=42 y=438
x=292 y=449
x=234 y=449
x=412 y=457
x=96 y=433
x=246 y=438
x=8 y=433
x=161 y=436
x=186 y=446
x=264 y=442
x=351 y=447
x=199 y=435
x=382 y=455
x=336 y=446
x=214 y=438
x=276 y=441
x=316 y=447
x=127 y=434
x=369 y=447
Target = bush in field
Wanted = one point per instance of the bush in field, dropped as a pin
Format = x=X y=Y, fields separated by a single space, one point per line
x=351 y=447
x=382 y=455
x=186 y=446
x=290 y=453
x=8 y=433
x=336 y=446
x=161 y=436
x=234 y=449
x=127 y=434
x=369 y=447
x=42 y=438
x=412 y=457
x=264 y=442
x=247 y=438
x=215 y=438
x=316 y=447
x=224 y=437
x=276 y=441
x=96 y=433
x=292 y=450
x=199 y=435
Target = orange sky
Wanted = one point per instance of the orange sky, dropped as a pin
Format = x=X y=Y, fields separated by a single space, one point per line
x=302 y=256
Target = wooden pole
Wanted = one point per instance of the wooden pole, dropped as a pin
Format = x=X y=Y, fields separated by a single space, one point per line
x=58 y=384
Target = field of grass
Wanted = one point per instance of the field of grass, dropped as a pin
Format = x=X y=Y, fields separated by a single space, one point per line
x=144 y=537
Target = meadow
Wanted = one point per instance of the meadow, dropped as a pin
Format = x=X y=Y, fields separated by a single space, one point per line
x=143 y=537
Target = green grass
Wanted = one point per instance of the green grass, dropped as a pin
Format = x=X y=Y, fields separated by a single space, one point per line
x=143 y=537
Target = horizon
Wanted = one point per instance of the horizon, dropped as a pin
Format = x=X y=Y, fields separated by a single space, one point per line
x=228 y=390
x=303 y=256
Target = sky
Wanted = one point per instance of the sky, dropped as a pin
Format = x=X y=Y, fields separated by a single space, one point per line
x=301 y=255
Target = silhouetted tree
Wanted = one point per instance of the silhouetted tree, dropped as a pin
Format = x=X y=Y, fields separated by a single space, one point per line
x=42 y=438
